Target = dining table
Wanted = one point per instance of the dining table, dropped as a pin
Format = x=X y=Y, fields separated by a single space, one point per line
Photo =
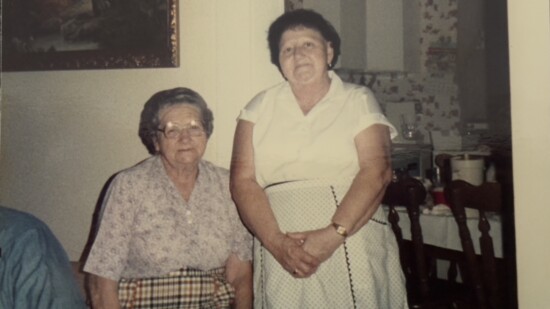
x=440 y=229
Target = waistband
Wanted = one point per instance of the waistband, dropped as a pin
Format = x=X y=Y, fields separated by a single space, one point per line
x=309 y=183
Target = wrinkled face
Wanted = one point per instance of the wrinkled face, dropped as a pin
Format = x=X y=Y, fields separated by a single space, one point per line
x=304 y=56
x=183 y=140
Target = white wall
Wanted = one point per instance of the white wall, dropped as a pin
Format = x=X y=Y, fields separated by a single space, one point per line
x=529 y=26
x=65 y=133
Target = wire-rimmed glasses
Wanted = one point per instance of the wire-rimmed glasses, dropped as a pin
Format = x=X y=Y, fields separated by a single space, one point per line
x=173 y=130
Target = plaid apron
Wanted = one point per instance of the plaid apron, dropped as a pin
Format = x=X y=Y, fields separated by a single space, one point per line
x=184 y=288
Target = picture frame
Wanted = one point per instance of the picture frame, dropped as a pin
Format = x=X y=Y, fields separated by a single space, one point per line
x=40 y=35
x=291 y=5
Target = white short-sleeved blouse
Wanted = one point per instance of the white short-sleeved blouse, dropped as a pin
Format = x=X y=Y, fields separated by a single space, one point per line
x=289 y=145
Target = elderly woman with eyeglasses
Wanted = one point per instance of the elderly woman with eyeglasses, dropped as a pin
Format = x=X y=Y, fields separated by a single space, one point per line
x=170 y=235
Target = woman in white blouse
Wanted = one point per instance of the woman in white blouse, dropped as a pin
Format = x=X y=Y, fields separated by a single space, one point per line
x=310 y=166
x=170 y=235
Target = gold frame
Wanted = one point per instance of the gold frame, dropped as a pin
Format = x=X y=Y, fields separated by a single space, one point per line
x=291 y=5
x=154 y=57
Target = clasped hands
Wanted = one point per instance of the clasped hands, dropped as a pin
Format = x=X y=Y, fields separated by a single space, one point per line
x=301 y=253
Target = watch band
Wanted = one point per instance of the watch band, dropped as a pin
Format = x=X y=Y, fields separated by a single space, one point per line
x=340 y=230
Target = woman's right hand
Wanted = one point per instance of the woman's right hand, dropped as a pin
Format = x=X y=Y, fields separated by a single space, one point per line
x=290 y=253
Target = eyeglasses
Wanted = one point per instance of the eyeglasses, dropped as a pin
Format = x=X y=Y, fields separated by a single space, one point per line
x=174 y=130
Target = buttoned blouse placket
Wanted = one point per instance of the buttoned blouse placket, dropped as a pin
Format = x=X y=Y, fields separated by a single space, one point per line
x=187 y=205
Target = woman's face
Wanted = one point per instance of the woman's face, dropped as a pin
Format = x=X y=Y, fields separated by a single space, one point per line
x=183 y=141
x=304 y=56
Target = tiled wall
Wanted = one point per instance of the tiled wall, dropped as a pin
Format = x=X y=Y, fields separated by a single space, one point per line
x=434 y=86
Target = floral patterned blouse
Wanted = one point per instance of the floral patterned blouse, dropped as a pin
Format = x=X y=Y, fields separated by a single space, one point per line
x=148 y=229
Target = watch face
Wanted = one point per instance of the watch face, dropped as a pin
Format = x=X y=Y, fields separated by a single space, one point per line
x=340 y=230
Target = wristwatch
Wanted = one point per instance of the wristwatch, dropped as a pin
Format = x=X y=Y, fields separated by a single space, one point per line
x=340 y=229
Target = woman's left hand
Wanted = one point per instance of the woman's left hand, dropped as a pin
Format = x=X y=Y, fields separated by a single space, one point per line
x=320 y=243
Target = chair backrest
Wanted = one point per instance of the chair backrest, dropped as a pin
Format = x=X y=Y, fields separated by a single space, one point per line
x=443 y=162
x=485 y=198
x=409 y=192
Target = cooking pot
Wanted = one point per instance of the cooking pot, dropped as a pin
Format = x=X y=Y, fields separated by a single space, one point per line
x=470 y=168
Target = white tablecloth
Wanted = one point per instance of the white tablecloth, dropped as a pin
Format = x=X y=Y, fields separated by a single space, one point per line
x=439 y=228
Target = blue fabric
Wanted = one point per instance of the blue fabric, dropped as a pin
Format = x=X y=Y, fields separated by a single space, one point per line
x=35 y=271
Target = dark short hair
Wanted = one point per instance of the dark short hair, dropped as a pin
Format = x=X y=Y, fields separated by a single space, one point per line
x=149 y=121
x=302 y=18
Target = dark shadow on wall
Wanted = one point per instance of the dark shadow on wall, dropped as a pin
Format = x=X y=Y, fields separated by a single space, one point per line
x=96 y=217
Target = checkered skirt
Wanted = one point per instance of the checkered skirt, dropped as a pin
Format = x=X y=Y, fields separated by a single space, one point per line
x=184 y=288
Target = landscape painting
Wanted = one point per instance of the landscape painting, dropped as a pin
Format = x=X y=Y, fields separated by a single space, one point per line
x=89 y=34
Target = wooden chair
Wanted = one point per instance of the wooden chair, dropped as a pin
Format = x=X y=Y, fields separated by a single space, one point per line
x=424 y=289
x=480 y=271
x=443 y=161
x=409 y=192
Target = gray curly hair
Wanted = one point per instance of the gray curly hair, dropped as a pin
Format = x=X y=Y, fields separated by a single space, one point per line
x=149 y=120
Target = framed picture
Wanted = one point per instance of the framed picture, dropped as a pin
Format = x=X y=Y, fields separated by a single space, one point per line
x=89 y=34
x=291 y=5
